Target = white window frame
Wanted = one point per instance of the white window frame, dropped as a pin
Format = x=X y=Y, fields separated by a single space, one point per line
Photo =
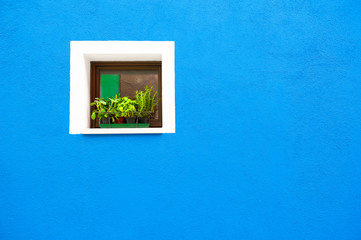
x=83 y=52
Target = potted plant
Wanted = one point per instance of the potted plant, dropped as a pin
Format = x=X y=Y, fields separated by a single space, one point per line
x=118 y=115
x=105 y=110
x=127 y=107
x=146 y=103
x=101 y=111
x=116 y=109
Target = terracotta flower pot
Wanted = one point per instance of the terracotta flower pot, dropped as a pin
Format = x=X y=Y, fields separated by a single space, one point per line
x=120 y=120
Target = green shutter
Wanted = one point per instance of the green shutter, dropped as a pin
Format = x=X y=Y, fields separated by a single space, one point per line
x=109 y=85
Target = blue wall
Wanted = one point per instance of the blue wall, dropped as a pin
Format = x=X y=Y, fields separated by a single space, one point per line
x=268 y=124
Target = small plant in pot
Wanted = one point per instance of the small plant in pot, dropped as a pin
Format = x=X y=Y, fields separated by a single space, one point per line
x=105 y=110
x=118 y=115
x=146 y=103
x=101 y=111
x=127 y=107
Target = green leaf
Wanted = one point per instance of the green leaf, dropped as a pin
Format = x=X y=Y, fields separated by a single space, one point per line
x=93 y=115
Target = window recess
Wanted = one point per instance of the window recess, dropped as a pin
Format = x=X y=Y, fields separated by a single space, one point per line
x=125 y=78
x=125 y=66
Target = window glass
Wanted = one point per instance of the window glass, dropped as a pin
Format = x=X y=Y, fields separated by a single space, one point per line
x=127 y=82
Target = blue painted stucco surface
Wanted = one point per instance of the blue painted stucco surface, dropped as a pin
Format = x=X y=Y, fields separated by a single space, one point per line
x=268 y=142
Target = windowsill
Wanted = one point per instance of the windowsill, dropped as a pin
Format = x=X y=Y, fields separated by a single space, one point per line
x=123 y=131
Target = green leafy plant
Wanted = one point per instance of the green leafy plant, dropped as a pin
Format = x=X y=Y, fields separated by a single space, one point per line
x=146 y=102
x=105 y=108
x=114 y=109
x=127 y=107
x=101 y=108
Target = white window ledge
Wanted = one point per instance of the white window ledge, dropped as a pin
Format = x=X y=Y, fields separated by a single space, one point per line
x=83 y=52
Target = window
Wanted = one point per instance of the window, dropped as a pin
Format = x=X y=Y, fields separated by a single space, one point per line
x=124 y=78
x=84 y=54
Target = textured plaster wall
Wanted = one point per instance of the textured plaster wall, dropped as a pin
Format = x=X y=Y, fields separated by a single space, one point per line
x=268 y=124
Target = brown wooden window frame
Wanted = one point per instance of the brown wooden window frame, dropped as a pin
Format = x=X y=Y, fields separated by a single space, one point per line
x=97 y=66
